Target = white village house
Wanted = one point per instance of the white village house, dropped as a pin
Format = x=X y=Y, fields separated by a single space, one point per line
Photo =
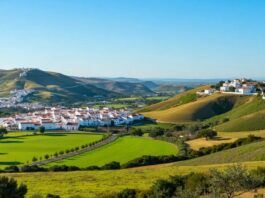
x=70 y=119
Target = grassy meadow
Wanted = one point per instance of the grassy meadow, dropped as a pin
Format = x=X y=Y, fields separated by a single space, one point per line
x=16 y=150
x=96 y=183
x=122 y=150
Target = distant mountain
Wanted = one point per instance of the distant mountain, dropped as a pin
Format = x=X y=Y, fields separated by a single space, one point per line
x=171 y=89
x=135 y=88
x=50 y=87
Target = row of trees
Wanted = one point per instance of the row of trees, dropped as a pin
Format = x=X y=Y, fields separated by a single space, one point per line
x=75 y=149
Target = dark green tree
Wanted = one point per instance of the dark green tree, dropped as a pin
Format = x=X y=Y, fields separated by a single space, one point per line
x=42 y=129
x=207 y=133
x=10 y=189
x=3 y=131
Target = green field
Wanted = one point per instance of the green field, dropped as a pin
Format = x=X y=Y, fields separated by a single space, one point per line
x=20 y=149
x=95 y=183
x=122 y=150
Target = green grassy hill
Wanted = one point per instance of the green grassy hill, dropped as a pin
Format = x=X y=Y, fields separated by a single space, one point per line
x=180 y=99
x=247 y=116
x=249 y=152
x=251 y=122
x=196 y=109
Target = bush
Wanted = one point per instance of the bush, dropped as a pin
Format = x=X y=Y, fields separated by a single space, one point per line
x=157 y=131
x=33 y=168
x=10 y=189
x=207 y=133
x=111 y=166
x=137 y=132
x=127 y=193
x=11 y=169
x=61 y=168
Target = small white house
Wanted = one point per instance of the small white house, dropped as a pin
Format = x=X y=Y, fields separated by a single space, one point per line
x=224 y=88
x=70 y=126
x=28 y=125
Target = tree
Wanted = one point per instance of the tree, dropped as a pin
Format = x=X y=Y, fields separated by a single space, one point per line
x=137 y=132
x=3 y=131
x=42 y=129
x=34 y=159
x=9 y=188
x=232 y=89
x=163 y=189
x=231 y=182
x=207 y=133
x=111 y=166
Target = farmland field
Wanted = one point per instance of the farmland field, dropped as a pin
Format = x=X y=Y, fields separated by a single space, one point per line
x=122 y=150
x=20 y=149
x=95 y=183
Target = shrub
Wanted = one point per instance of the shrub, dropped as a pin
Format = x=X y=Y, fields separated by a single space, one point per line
x=34 y=159
x=207 y=133
x=137 y=132
x=9 y=188
x=127 y=193
x=12 y=169
x=33 y=168
x=111 y=166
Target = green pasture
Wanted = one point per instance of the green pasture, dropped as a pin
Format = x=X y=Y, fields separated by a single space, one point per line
x=122 y=150
x=17 y=150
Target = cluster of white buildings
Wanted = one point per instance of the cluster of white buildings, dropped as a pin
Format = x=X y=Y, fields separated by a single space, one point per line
x=16 y=99
x=69 y=119
x=239 y=86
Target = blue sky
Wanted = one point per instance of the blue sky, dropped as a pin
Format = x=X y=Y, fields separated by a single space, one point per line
x=135 y=38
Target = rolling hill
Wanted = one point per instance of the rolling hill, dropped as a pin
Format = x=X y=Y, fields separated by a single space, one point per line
x=135 y=88
x=227 y=112
x=51 y=87
x=48 y=86
x=194 y=108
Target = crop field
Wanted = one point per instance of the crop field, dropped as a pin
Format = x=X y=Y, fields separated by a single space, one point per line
x=17 y=150
x=95 y=183
x=223 y=137
x=122 y=150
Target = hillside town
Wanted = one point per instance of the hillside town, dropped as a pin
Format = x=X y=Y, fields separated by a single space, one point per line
x=17 y=99
x=236 y=86
x=57 y=118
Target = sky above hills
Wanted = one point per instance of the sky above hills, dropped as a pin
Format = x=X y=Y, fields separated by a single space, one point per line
x=135 y=38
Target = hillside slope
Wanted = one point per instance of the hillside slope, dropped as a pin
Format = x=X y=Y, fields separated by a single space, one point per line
x=48 y=86
x=200 y=109
x=247 y=116
x=249 y=152
x=177 y=100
